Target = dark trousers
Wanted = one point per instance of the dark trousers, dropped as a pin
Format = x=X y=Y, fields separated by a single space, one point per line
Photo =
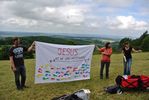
x=107 y=64
x=20 y=71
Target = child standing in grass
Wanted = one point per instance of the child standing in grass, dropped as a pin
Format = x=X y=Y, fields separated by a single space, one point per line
x=105 y=60
x=16 y=55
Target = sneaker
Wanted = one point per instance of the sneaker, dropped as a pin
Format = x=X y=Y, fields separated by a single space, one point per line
x=25 y=86
x=101 y=77
x=107 y=77
x=20 y=88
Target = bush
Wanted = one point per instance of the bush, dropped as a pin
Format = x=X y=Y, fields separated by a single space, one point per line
x=145 y=45
x=4 y=53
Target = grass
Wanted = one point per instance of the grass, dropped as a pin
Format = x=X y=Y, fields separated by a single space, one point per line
x=47 y=91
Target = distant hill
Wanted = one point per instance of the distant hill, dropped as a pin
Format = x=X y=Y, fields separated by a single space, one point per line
x=59 y=35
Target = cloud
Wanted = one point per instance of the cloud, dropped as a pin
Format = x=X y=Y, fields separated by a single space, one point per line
x=19 y=21
x=126 y=23
x=74 y=16
x=59 y=13
x=4 y=9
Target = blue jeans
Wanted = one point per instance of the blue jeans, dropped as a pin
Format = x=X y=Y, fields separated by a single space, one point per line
x=20 y=71
x=127 y=66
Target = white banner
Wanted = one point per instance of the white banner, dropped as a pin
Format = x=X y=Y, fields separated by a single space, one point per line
x=62 y=63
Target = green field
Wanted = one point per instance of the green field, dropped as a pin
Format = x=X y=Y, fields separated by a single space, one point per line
x=47 y=91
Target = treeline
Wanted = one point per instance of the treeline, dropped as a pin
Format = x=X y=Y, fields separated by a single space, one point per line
x=5 y=43
x=28 y=40
x=140 y=43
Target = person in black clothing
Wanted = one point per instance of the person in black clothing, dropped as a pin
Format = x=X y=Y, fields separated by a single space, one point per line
x=127 y=58
x=16 y=54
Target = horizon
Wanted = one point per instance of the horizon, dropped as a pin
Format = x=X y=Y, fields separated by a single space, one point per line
x=75 y=35
x=117 y=18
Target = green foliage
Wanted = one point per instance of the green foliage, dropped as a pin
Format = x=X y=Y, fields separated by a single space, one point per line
x=4 y=52
x=145 y=44
x=139 y=43
x=6 y=41
x=123 y=41
x=27 y=41
x=28 y=55
x=115 y=47
x=71 y=43
x=144 y=35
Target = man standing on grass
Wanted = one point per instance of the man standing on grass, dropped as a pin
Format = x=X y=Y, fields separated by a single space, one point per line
x=16 y=55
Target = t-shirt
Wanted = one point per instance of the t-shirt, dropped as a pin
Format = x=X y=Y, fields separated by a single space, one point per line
x=127 y=53
x=108 y=52
x=17 y=53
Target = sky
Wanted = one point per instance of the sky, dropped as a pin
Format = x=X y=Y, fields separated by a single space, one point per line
x=128 y=18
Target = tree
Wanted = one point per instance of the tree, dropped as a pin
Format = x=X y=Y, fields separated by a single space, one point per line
x=4 y=55
x=123 y=41
x=145 y=45
x=137 y=43
x=144 y=35
x=70 y=42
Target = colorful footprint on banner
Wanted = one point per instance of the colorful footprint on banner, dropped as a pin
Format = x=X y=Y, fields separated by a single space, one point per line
x=47 y=65
x=45 y=78
x=75 y=69
x=40 y=70
x=39 y=75
x=57 y=72
x=52 y=78
x=47 y=75
x=77 y=72
x=85 y=76
x=47 y=71
x=63 y=68
x=54 y=75
x=58 y=68
x=66 y=74
x=52 y=68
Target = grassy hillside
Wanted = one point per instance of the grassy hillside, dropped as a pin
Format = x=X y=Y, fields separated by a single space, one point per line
x=48 y=91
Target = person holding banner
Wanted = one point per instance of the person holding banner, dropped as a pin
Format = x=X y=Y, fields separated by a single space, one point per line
x=127 y=57
x=105 y=60
x=16 y=54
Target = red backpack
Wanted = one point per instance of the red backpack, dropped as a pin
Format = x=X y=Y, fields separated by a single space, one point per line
x=133 y=81
x=145 y=81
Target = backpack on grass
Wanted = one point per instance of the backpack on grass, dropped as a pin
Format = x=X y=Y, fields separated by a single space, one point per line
x=113 y=89
x=83 y=94
x=133 y=81
x=67 y=97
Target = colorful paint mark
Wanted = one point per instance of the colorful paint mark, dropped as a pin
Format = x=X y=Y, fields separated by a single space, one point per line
x=62 y=73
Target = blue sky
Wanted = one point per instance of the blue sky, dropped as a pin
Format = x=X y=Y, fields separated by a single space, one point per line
x=127 y=18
